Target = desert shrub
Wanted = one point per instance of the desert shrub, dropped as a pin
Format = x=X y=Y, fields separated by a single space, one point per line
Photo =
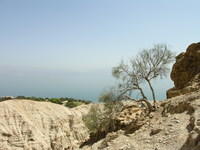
x=94 y=120
x=55 y=100
x=101 y=119
x=72 y=104
x=4 y=98
x=21 y=97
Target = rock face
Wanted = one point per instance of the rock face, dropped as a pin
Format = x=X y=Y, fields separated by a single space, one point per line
x=188 y=104
x=186 y=71
x=131 y=117
x=31 y=125
x=174 y=126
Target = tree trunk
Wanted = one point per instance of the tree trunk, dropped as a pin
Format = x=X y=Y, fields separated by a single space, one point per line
x=150 y=108
x=142 y=93
x=148 y=104
x=152 y=91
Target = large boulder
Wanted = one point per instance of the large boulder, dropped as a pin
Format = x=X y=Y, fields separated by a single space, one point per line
x=186 y=72
x=131 y=118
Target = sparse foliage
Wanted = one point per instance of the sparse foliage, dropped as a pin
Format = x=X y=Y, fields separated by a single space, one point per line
x=94 y=120
x=101 y=118
x=146 y=66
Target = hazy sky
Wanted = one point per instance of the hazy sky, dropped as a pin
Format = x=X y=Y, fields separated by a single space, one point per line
x=67 y=47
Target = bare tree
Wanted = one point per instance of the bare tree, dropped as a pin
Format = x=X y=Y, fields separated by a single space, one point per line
x=130 y=79
x=146 y=66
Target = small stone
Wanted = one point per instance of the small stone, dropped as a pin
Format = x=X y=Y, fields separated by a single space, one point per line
x=198 y=122
x=150 y=116
x=147 y=141
x=155 y=131
x=170 y=125
x=166 y=133
x=164 y=142
x=177 y=121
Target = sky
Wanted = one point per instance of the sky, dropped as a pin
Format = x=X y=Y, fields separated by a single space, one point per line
x=67 y=48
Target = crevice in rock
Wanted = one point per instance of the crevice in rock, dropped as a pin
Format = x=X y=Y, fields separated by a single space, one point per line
x=192 y=142
x=191 y=125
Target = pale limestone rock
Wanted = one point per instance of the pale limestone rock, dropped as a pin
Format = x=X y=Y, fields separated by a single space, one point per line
x=31 y=125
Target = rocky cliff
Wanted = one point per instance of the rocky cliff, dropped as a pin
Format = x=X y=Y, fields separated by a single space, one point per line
x=31 y=125
x=186 y=72
x=174 y=126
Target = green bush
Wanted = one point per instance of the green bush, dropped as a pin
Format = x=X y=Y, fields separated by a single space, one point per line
x=71 y=102
x=94 y=120
x=101 y=121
